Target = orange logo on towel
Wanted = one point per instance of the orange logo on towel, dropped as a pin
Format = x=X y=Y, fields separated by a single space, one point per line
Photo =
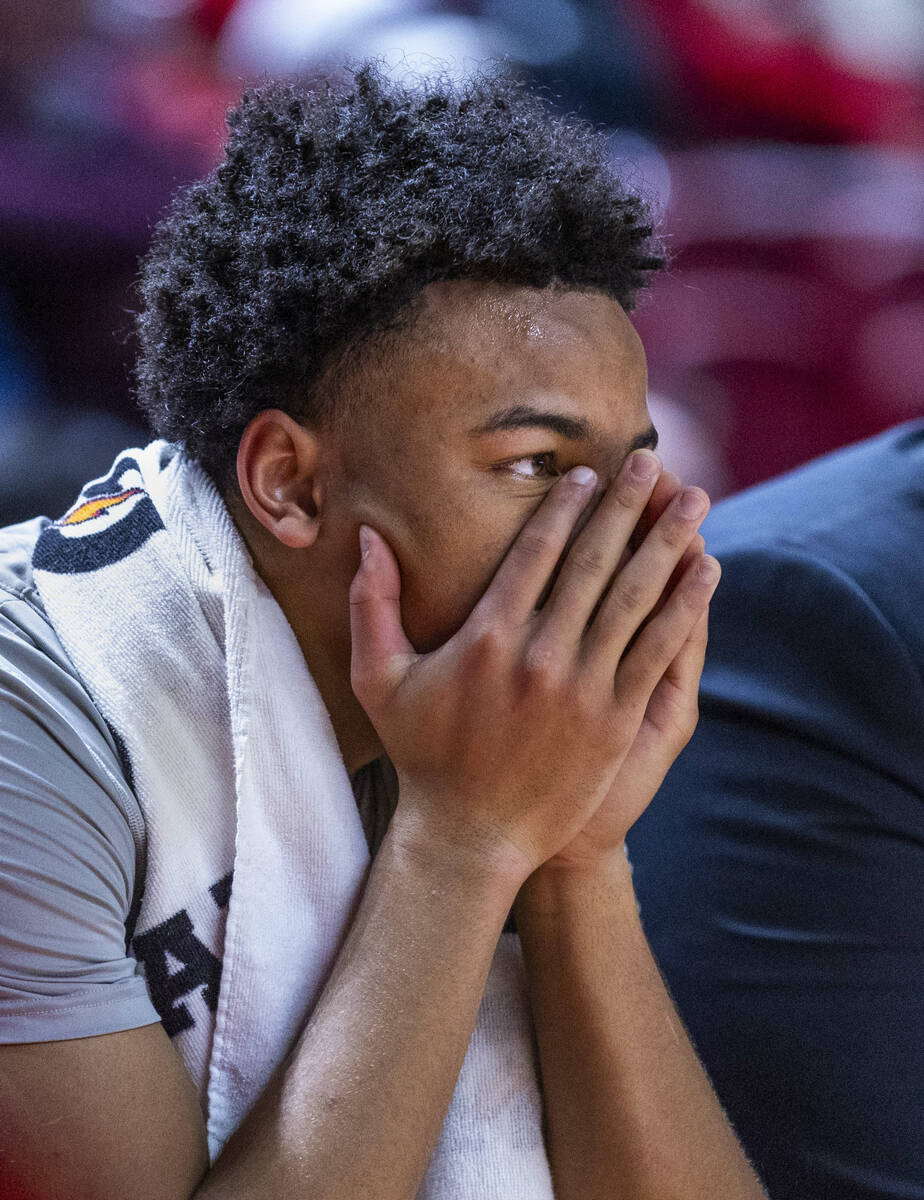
x=85 y=511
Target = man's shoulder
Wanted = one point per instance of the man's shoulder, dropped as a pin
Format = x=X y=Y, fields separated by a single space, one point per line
x=23 y=619
x=860 y=489
x=856 y=515
x=38 y=677
x=16 y=545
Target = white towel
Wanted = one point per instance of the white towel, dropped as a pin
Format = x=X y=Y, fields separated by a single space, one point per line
x=237 y=771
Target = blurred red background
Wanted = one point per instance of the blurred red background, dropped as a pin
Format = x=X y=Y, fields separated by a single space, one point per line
x=781 y=143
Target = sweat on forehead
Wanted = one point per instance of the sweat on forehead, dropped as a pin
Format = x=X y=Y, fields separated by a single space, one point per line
x=484 y=327
x=448 y=311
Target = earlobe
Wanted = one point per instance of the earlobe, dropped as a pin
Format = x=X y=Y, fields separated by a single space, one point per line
x=295 y=530
x=278 y=475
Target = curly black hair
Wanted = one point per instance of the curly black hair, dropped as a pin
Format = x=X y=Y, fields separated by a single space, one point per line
x=333 y=208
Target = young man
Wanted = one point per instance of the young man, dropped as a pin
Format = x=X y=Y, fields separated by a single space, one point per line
x=394 y=317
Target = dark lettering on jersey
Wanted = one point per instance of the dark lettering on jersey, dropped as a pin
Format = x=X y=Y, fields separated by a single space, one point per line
x=200 y=968
x=221 y=891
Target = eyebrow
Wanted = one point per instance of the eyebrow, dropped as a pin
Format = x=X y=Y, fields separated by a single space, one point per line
x=577 y=429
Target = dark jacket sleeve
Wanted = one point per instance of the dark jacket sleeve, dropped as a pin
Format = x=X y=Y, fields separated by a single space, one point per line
x=780 y=873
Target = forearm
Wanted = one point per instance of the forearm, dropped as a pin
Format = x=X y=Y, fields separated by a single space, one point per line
x=359 y=1105
x=629 y=1109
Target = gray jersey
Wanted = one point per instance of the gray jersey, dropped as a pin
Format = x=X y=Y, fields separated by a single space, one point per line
x=72 y=837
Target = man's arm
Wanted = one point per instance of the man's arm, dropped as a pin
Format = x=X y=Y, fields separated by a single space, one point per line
x=629 y=1110
x=355 y=1111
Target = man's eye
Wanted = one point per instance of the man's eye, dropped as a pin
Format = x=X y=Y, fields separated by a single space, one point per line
x=543 y=466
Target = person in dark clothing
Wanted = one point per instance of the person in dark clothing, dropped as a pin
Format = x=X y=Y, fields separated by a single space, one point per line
x=780 y=869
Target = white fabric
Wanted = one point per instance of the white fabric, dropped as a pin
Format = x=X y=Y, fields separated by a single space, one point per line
x=235 y=764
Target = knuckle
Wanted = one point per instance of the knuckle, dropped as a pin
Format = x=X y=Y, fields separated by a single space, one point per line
x=681 y=518
x=486 y=646
x=627 y=596
x=674 y=533
x=531 y=544
x=658 y=646
x=360 y=588
x=588 y=560
x=626 y=496
x=695 y=592
x=540 y=664
x=692 y=600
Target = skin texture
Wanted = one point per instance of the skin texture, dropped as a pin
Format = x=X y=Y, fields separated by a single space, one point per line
x=448 y=504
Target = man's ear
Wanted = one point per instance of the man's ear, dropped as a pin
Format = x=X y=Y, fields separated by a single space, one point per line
x=278 y=463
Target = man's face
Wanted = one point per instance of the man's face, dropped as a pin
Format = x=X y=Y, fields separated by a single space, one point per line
x=495 y=392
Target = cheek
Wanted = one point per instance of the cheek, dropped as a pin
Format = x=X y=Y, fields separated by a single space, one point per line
x=441 y=586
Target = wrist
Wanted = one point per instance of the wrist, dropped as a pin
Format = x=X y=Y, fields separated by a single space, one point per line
x=481 y=865
x=557 y=887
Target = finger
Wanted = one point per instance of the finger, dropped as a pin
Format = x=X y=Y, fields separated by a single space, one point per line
x=695 y=550
x=673 y=709
x=683 y=673
x=637 y=588
x=666 y=489
x=596 y=553
x=524 y=572
x=687 y=668
x=666 y=636
x=380 y=651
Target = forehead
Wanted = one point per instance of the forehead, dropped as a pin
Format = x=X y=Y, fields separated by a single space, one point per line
x=474 y=345
x=494 y=321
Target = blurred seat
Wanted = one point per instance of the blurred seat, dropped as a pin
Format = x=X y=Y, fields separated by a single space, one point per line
x=788 y=315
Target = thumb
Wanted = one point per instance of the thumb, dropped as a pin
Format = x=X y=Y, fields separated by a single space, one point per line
x=380 y=652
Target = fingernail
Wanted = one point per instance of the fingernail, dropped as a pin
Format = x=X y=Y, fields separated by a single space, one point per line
x=691 y=504
x=643 y=465
x=583 y=475
x=365 y=541
x=708 y=570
